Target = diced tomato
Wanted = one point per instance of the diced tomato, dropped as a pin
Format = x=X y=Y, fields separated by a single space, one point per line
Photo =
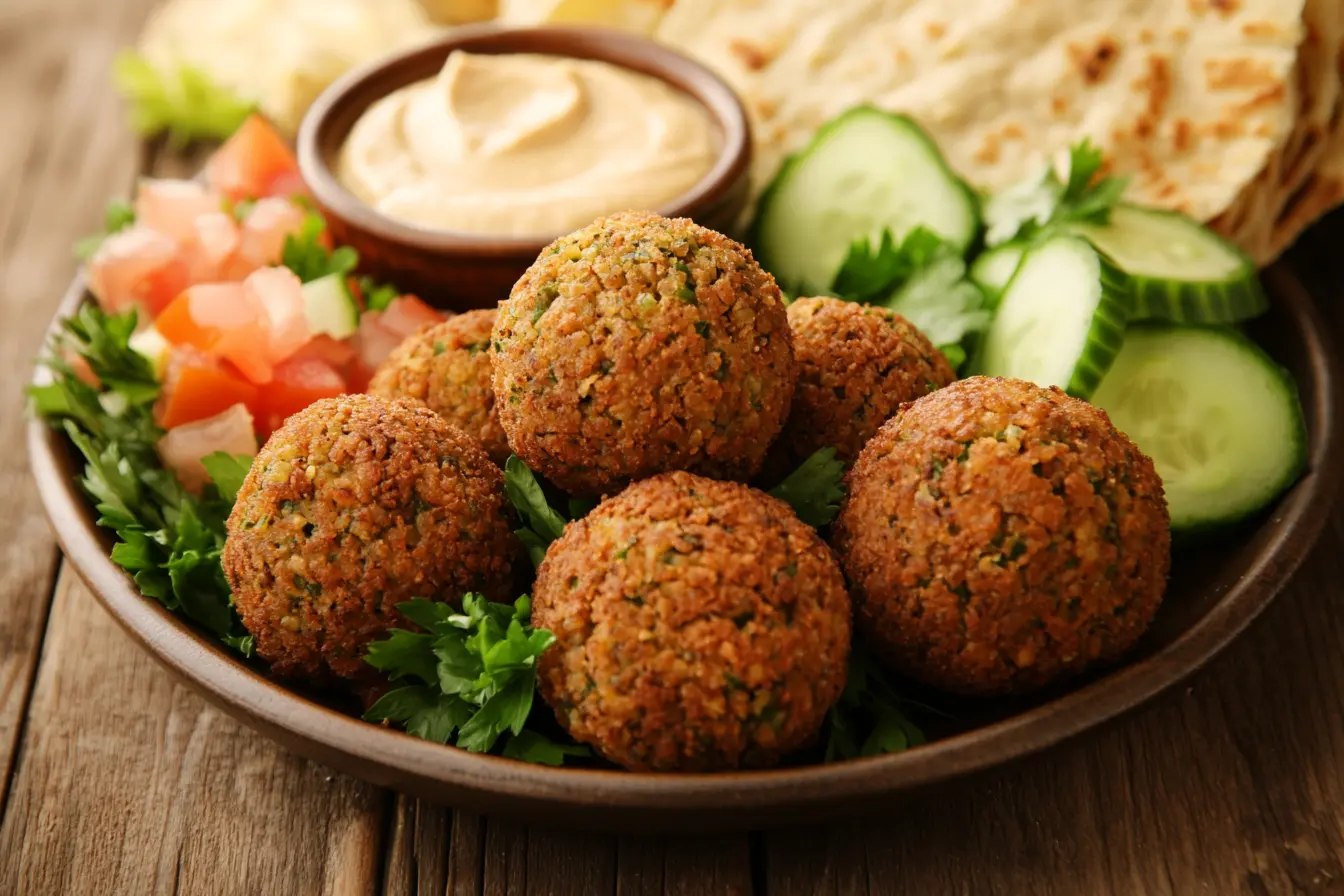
x=254 y=162
x=336 y=352
x=137 y=267
x=219 y=319
x=373 y=341
x=211 y=253
x=196 y=387
x=265 y=229
x=276 y=296
x=407 y=315
x=289 y=185
x=182 y=447
x=172 y=206
x=298 y=383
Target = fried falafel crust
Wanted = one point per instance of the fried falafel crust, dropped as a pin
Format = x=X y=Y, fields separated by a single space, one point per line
x=999 y=536
x=353 y=506
x=699 y=626
x=857 y=364
x=639 y=345
x=446 y=368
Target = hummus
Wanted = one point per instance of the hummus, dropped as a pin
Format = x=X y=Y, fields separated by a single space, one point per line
x=526 y=144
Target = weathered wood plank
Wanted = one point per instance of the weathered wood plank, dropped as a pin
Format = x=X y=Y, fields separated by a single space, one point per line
x=685 y=866
x=417 y=855
x=62 y=152
x=129 y=783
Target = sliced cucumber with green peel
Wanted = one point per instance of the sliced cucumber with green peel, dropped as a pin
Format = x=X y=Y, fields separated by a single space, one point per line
x=864 y=172
x=330 y=308
x=1061 y=320
x=1180 y=271
x=1221 y=421
x=995 y=267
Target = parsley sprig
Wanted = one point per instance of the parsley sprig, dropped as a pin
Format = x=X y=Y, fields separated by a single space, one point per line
x=183 y=103
x=542 y=522
x=306 y=254
x=169 y=539
x=470 y=677
x=922 y=278
x=1043 y=202
x=119 y=215
x=815 y=489
x=868 y=719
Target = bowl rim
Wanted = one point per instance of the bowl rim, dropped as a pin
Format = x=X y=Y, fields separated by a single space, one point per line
x=620 y=48
x=616 y=799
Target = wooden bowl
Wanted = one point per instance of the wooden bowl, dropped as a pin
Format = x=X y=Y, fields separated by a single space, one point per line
x=1214 y=594
x=460 y=270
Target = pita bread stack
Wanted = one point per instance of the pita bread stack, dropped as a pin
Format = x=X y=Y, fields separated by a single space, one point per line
x=1229 y=110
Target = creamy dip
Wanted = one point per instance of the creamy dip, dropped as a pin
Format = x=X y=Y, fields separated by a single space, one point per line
x=526 y=144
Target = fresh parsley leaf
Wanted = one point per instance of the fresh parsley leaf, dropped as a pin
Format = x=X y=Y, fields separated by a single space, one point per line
x=119 y=215
x=579 y=508
x=476 y=674
x=309 y=259
x=529 y=746
x=377 y=296
x=227 y=471
x=923 y=278
x=868 y=720
x=941 y=301
x=169 y=539
x=815 y=489
x=1042 y=201
x=183 y=103
x=542 y=523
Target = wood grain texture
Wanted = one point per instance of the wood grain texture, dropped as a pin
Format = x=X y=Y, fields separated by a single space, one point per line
x=62 y=137
x=129 y=783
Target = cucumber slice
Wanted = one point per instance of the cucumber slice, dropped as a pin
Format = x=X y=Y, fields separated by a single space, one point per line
x=330 y=307
x=1221 y=421
x=864 y=172
x=995 y=267
x=1061 y=320
x=1180 y=271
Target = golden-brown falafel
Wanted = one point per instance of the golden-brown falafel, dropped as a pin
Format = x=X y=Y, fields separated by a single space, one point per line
x=856 y=365
x=999 y=536
x=699 y=626
x=639 y=345
x=446 y=367
x=353 y=506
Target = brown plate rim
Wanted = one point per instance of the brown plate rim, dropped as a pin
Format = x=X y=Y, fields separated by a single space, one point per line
x=614 y=799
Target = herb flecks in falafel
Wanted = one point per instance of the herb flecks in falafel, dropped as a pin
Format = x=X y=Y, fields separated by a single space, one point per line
x=699 y=625
x=639 y=345
x=352 y=507
x=999 y=536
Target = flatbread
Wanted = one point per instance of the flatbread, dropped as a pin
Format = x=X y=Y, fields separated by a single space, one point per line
x=1191 y=98
x=1305 y=177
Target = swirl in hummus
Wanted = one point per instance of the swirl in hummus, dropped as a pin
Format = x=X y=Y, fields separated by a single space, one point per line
x=523 y=144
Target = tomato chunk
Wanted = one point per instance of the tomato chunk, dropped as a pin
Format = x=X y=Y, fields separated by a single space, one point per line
x=196 y=387
x=254 y=162
x=407 y=314
x=172 y=206
x=265 y=229
x=183 y=447
x=298 y=383
x=136 y=267
x=336 y=352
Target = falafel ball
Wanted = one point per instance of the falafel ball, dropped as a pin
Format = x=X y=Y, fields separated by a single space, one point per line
x=856 y=365
x=699 y=626
x=446 y=368
x=352 y=507
x=642 y=344
x=999 y=536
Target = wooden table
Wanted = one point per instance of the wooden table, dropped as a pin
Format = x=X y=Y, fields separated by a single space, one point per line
x=116 y=780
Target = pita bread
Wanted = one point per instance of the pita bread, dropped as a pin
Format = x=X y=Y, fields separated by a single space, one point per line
x=1190 y=98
